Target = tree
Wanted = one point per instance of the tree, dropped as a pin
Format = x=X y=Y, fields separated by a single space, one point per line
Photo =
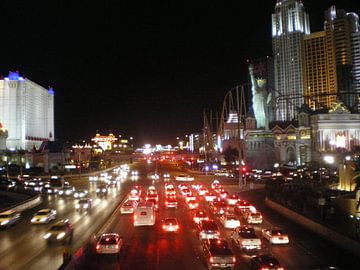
x=231 y=154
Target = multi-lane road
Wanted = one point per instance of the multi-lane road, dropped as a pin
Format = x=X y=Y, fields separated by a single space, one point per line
x=22 y=246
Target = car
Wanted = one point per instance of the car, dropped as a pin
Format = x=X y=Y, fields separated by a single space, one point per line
x=61 y=231
x=166 y=175
x=9 y=218
x=207 y=229
x=246 y=238
x=44 y=216
x=275 y=236
x=224 y=194
x=154 y=176
x=214 y=184
x=154 y=201
x=190 y=197
x=83 y=204
x=93 y=178
x=186 y=192
x=241 y=206
x=109 y=243
x=199 y=216
x=183 y=186
x=253 y=217
x=134 y=173
x=192 y=204
x=184 y=177
x=154 y=196
x=265 y=261
x=170 y=191
x=230 y=221
x=66 y=191
x=80 y=193
x=134 y=195
x=171 y=202
x=196 y=186
x=210 y=196
x=128 y=207
x=219 y=207
x=202 y=191
x=152 y=190
x=170 y=225
x=48 y=190
x=6 y=184
x=217 y=254
x=232 y=199
x=102 y=190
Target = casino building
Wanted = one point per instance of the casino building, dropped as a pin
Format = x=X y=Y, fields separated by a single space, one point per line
x=27 y=112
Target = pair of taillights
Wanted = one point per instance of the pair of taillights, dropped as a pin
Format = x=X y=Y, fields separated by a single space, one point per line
x=176 y=227
x=212 y=259
x=266 y=268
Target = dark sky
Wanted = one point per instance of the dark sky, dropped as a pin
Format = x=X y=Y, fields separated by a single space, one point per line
x=145 y=70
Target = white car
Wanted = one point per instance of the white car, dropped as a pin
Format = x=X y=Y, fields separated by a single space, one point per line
x=44 y=216
x=230 y=221
x=8 y=218
x=232 y=199
x=275 y=236
x=128 y=207
x=170 y=225
x=210 y=196
x=80 y=193
x=184 y=177
x=199 y=216
x=246 y=238
x=109 y=243
x=253 y=217
x=93 y=178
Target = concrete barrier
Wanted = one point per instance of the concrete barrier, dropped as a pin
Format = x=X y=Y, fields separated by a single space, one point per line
x=24 y=205
x=329 y=234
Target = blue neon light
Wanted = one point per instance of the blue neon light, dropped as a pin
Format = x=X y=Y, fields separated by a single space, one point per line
x=51 y=91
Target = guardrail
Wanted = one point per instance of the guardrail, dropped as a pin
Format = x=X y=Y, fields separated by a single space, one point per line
x=24 y=205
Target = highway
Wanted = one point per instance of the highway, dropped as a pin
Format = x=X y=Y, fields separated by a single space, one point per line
x=22 y=246
x=151 y=248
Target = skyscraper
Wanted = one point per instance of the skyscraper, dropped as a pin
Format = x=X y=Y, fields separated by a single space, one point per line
x=320 y=71
x=290 y=23
x=27 y=111
x=342 y=28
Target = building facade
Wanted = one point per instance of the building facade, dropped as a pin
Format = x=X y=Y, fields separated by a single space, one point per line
x=342 y=29
x=290 y=23
x=320 y=72
x=27 y=111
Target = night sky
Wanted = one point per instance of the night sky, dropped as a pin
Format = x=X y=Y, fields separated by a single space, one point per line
x=142 y=70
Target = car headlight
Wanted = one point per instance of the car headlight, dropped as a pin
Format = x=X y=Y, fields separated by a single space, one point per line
x=4 y=222
x=76 y=195
x=77 y=206
x=60 y=235
x=104 y=190
x=46 y=236
x=98 y=190
x=86 y=205
x=61 y=192
x=43 y=219
x=33 y=219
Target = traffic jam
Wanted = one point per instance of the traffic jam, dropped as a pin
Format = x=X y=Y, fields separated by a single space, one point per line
x=228 y=227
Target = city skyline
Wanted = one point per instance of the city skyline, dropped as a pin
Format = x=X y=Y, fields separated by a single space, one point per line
x=101 y=59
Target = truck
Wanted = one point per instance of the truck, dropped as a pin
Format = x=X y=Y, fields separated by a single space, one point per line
x=217 y=254
x=245 y=237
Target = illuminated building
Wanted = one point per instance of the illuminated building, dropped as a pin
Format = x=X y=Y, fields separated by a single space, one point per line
x=290 y=23
x=320 y=72
x=337 y=130
x=105 y=142
x=27 y=111
x=342 y=28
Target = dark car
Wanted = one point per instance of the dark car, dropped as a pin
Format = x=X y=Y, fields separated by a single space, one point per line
x=217 y=254
x=265 y=261
x=61 y=231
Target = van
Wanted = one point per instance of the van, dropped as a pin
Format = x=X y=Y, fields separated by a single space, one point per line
x=144 y=214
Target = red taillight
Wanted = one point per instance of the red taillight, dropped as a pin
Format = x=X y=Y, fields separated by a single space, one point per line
x=134 y=217
x=166 y=203
x=164 y=227
x=280 y=268
x=234 y=260
x=116 y=246
x=264 y=268
x=97 y=246
x=211 y=259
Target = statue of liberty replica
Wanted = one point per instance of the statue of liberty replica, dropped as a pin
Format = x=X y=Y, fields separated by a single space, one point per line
x=261 y=99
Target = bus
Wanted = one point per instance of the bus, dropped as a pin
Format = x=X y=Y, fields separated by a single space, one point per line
x=144 y=214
